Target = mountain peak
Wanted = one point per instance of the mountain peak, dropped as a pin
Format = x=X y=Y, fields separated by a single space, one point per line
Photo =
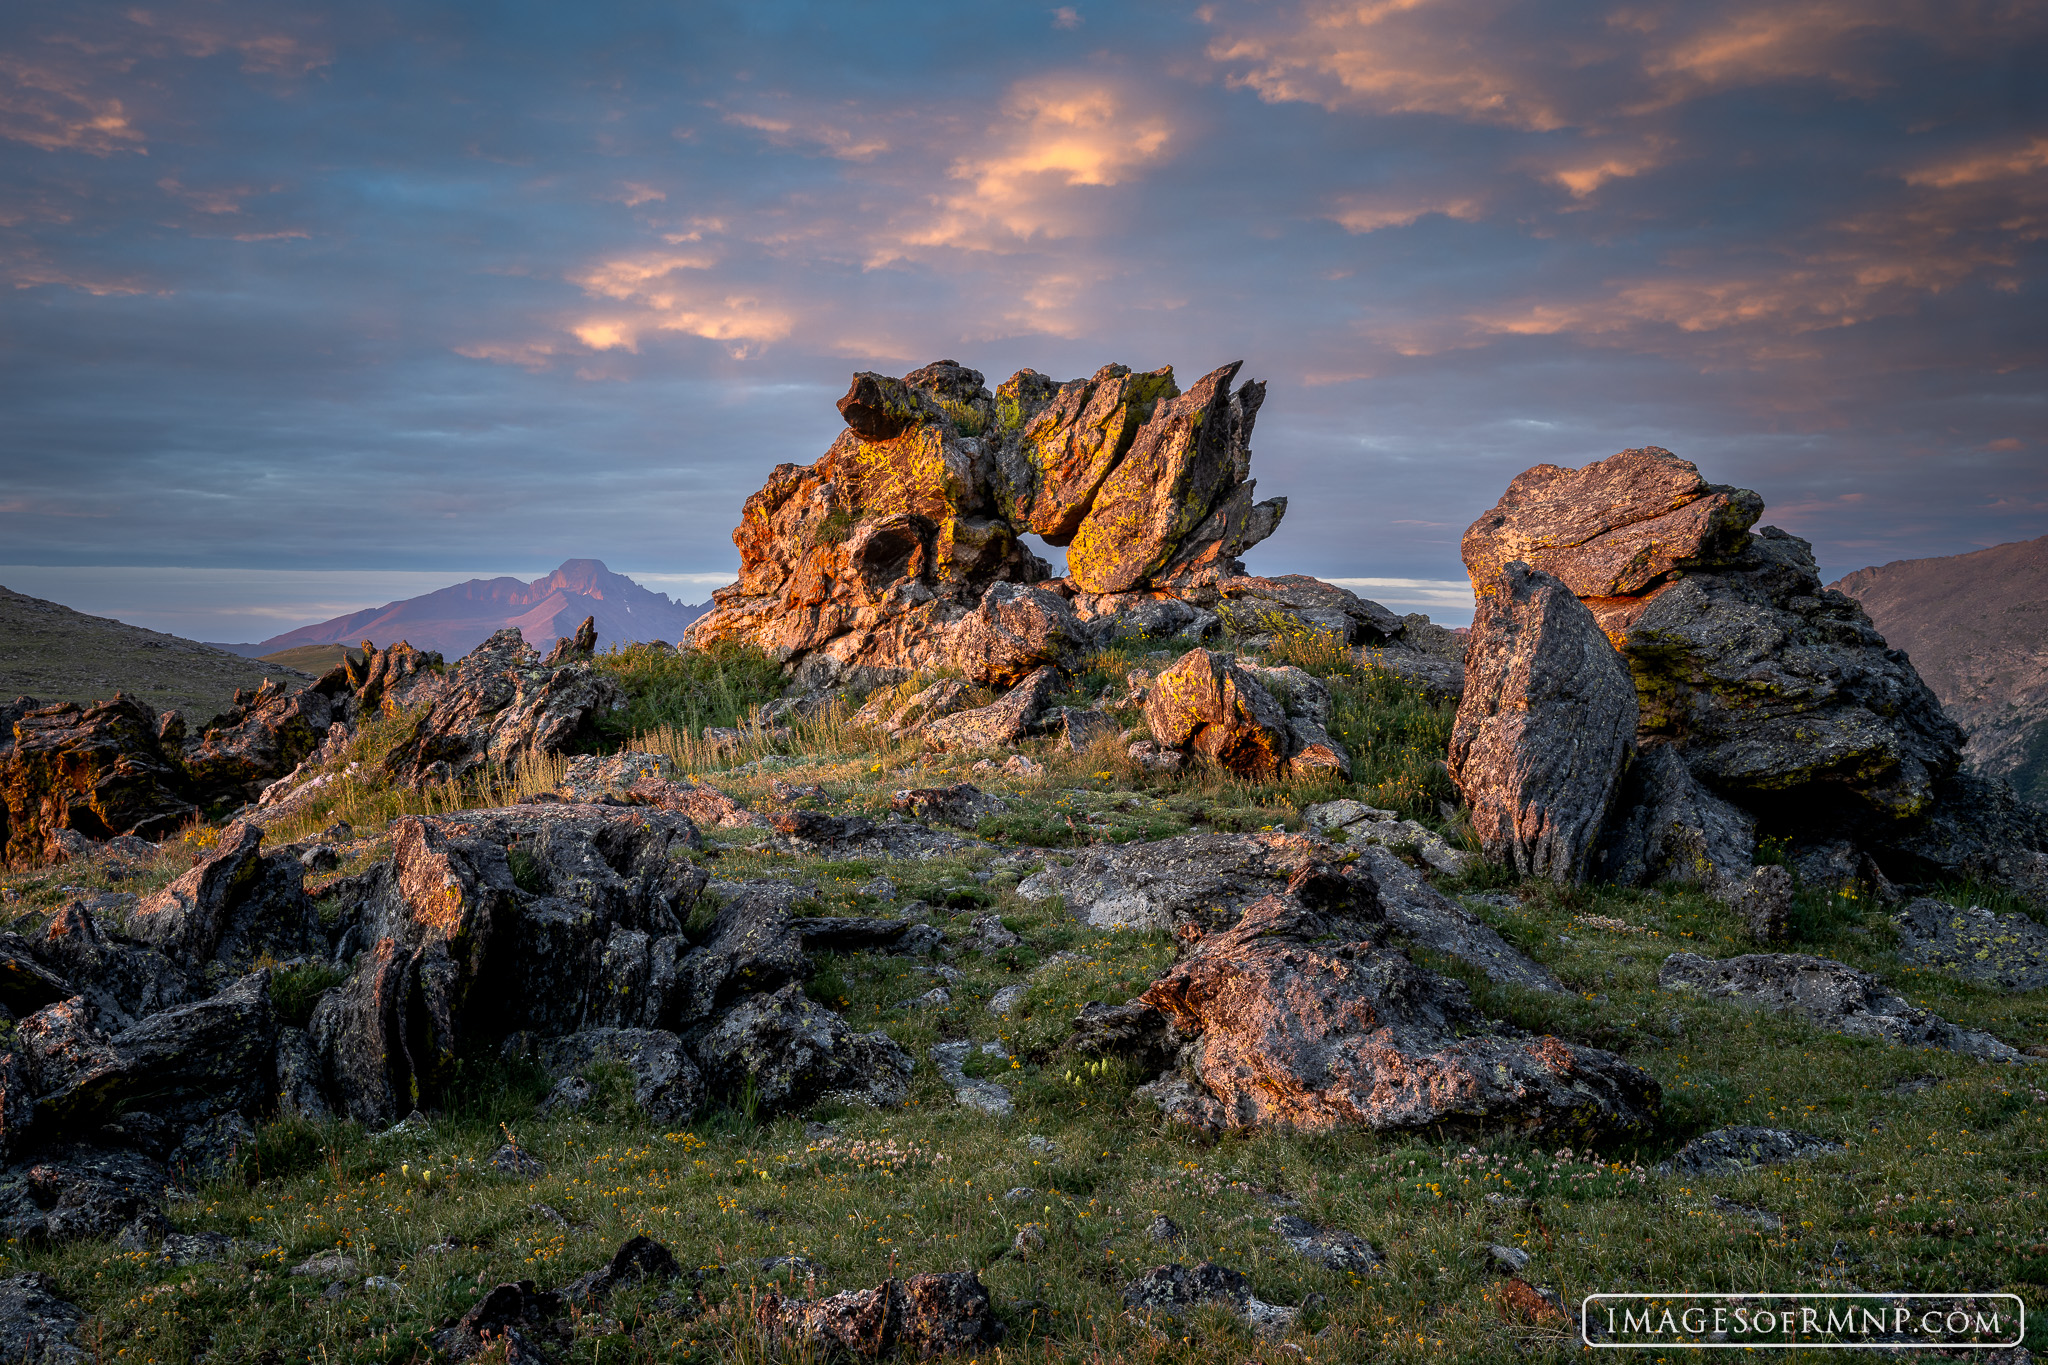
x=455 y=619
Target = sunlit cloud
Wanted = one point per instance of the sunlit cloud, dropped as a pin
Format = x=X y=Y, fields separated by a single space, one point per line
x=814 y=133
x=1361 y=213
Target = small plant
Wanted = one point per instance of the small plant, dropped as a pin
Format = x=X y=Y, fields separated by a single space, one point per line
x=295 y=991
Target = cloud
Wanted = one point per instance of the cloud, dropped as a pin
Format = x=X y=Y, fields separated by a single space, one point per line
x=1066 y=17
x=1362 y=213
x=814 y=132
x=57 y=110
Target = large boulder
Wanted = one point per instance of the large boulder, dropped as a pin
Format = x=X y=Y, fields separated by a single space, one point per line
x=233 y=907
x=1668 y=827
x=1546 y=726
x=1002 y=722
x=100 y=770
x=1293 y=1029
x=1295 y=605
x=1616 y=527
x=873 y=563
x=1829 y=994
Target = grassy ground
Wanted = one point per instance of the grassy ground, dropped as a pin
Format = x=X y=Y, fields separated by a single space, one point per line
x=1938 y=1188
x=53 y=654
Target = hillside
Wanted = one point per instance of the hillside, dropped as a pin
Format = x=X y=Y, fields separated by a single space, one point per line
x=1976 y=626
x=457 y=619
x=53 y=653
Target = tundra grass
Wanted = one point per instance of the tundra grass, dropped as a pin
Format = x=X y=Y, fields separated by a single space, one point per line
x=1938 y=1188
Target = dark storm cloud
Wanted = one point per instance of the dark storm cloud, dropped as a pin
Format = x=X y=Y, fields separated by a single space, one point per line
x=429 y=287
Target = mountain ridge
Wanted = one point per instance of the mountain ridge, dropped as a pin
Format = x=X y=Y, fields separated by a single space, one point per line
x=457 y=618
x=1976 y=628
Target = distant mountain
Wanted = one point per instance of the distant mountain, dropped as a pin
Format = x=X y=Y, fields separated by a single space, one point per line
x=458 y=619
x=1977 y=628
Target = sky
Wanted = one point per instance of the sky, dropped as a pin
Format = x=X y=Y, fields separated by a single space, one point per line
x=305 y=305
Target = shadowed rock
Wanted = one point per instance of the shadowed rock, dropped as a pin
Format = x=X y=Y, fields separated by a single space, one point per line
x=1830 y=994
x=923 y=1316
x=1545 y=728
x=2009 y=952
x=100 y=770
x=795 y=1051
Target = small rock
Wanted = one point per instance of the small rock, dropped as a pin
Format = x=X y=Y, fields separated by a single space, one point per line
x=543 y=1211
x=1163 y=1229
x=1044 y=1146
x=1155 y=758
x=193 y=1248
x=1763 y=1218
x=936 y=998
x=1017 y=765
x=336 y=1289
x=517 y=1161
x=793 y=1267
x=986 y=1096
x=1765 y=903
x=994 y=937
x=1030 y=1238
x=384 y=1282
x=963 y=804
x=1008 y=998
x=1333 y=1248
x=1017 y=1194
x=326 y=1263
x=1513 y=1258
x=877 y=888
x=1729 y=1151
x=2008 y=952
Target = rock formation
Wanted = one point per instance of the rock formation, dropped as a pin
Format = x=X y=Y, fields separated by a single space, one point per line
x=1787 y=712
x=879 y=560
x=1546 y=726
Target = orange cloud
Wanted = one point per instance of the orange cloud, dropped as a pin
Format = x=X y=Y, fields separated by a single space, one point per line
x=1362 y=213
x=809 y=131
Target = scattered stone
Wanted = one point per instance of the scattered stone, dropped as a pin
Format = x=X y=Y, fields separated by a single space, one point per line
x=1331 y=1248
x=963 y=804
x=2009 y=951
x=1172 y=1291
x=1153 y=758
x=1076 y=730
x=877 y=888
x=1029 y=1240
x=922 y=1316
x=1018 y=1194
x=1017 y=765
x=1732 y=1150
x=986 y=1096
x=898 y=713
x=1041 y=1144
x=1764 y=904
x=792 y=1267
x=1297 y=606
x=994 y=937
x=1207 y=703
x=513 y=1319
x=1829 y=994
x=1000 y=723
x=1299 y=1033
x=1546 y=726
x=1359 y=823
x=638 y=1258
x=1163 y=1229
x=1520 y=1299
x=327 y=1263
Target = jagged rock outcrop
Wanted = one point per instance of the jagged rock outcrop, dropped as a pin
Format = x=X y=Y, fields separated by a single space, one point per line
x=1545 y=729
x=874 y=562
x=1293 y=1027
x=100 y=770
x=116 y=768
x=500 y=702
x=666 y=1083
x=1829 y=994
